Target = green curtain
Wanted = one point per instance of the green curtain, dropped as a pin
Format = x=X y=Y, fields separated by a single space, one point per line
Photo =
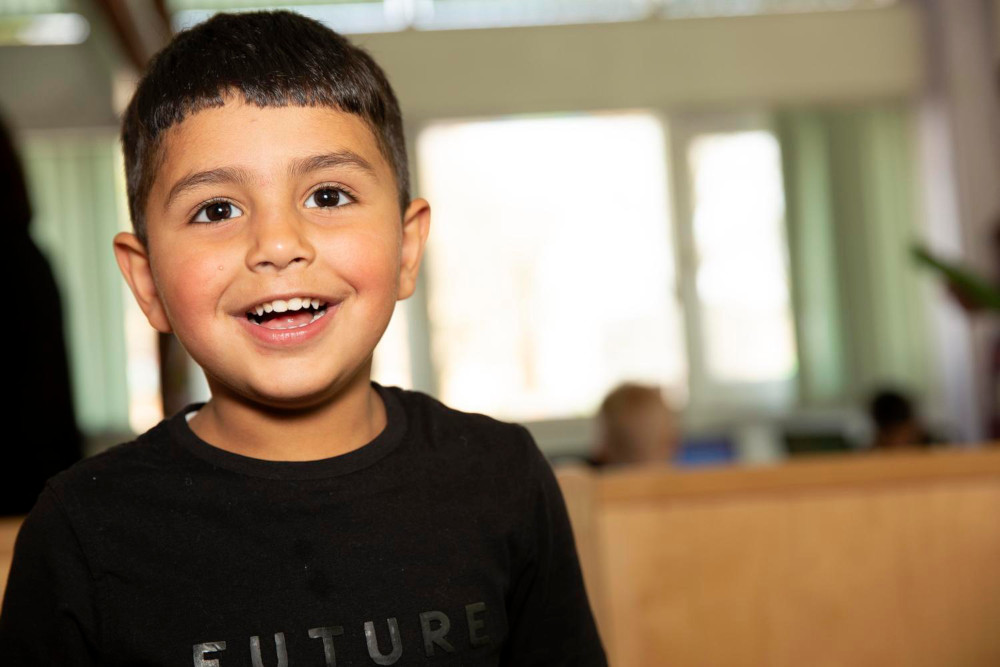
x=850 y=184
x=77 y=211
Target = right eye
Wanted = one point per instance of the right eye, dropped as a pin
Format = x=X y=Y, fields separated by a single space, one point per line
x=217 y=210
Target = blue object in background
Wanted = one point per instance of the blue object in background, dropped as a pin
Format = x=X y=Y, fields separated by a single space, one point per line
x=705 y=451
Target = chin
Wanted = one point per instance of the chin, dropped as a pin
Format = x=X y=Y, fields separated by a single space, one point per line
x=294 y=401
x=287 y=396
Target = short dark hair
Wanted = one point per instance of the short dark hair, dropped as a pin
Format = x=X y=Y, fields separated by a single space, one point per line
x=272 y=58
x=889 y=408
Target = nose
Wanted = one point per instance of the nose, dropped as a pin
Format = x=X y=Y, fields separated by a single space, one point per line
x=280 y=240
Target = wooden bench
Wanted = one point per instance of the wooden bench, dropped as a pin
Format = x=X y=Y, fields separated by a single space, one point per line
x=856 y=560
x=8 y=533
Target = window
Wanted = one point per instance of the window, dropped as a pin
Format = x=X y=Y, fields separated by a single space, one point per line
x=41 y=22
x=550 y=265
x=555 y=270
x=740 y=319
x=741 y=274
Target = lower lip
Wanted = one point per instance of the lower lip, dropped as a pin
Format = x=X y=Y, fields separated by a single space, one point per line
x=289 y=337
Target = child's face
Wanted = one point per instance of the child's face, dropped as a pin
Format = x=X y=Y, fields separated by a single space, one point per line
x=281 y=231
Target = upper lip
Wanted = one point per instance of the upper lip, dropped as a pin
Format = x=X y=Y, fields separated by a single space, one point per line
x=252 y=306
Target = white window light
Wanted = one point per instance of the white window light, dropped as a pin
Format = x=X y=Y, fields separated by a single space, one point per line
x=550 y=266
x=43 y=29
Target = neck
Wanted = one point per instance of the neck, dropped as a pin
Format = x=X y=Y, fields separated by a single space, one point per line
x=350 y=420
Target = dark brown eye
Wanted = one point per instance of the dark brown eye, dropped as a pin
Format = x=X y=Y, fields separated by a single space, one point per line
x=217 y=211
x=329 y=197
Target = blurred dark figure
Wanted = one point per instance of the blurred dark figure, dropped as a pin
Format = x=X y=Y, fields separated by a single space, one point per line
x=635 y=425
x=45 y=435
x=896 y=423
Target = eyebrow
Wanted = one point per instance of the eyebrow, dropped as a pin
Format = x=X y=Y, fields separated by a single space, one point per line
x=244 y=177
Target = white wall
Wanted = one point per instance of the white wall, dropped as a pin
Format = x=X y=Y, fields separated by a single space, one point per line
x=804 y=58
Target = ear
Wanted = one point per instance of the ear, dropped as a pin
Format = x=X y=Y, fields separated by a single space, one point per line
x=416 y=225
x=133 y=260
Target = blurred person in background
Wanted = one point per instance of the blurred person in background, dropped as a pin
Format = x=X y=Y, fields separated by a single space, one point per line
x=635 y=426
x=46 y=439
x=897 y=425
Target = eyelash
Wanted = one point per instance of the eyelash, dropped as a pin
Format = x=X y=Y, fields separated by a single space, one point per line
x=217 y=200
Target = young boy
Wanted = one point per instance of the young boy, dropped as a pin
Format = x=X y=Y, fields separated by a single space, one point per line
x=305 y=515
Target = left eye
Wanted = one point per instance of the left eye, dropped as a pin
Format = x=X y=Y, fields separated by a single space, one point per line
x=217 y=211
x=329 y=198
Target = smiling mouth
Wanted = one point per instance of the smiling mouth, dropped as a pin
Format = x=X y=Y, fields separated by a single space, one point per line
x=292 y=319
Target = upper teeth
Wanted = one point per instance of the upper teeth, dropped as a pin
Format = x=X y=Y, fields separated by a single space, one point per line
x=281 y=306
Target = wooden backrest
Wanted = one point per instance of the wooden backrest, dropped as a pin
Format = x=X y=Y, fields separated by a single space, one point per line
x=8 y=533
x=852 y=560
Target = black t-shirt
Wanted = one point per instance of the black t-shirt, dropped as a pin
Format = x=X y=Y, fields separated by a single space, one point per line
x=443 y=541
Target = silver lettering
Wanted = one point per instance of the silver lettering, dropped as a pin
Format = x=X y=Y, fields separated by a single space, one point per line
x=279 y=649
x=208 y=647
x=372 y=639
x=475 y=624
x=327 y=634
x=432 y=637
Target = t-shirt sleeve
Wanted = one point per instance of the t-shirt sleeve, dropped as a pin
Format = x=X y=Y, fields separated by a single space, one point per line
x=550 y=619
x=48 y=615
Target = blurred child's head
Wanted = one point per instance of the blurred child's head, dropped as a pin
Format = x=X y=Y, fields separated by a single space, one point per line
x=269 y=59
x=896 y=425
x=635 y=425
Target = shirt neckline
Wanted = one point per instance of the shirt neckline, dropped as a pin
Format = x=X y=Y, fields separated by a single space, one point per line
x=333 y=466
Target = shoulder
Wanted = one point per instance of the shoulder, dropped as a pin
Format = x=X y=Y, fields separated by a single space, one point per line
x=441 y=421
x=471 y=434
x=116 y=470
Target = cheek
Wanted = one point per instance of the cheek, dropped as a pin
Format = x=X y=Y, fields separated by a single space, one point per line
x=194 y=284
x=368 y=261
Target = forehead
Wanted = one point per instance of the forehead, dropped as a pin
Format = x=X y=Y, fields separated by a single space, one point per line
x=263 y=141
